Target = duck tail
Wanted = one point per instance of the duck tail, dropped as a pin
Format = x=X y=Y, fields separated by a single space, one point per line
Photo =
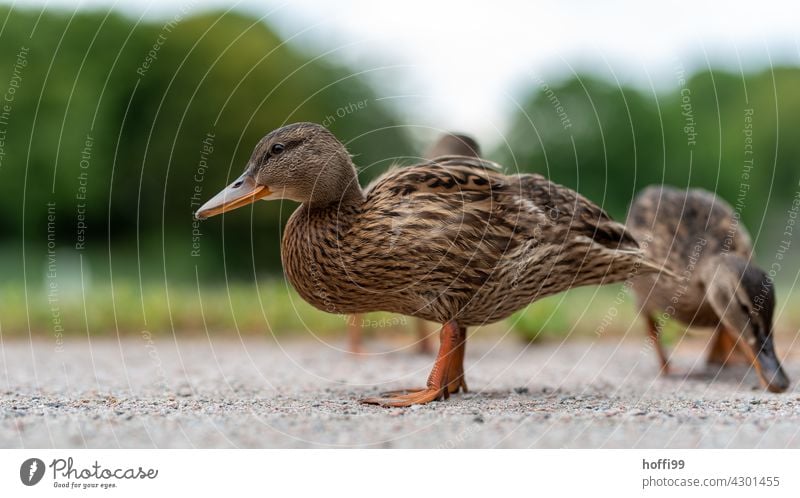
x=642 y=265
x=647 y=266
x=616 y=237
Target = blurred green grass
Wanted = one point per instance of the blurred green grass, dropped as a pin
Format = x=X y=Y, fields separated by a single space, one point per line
x=271 y=307
x=126 y=307
x=610 y=311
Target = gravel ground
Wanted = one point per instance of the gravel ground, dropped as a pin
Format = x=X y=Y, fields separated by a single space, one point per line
x=255 y=392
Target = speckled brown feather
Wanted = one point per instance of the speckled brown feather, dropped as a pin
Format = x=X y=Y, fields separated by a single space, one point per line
x=454 y=238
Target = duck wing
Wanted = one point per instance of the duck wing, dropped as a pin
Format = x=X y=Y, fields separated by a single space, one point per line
x=458 y=194
x=457 y=230
x=680 y=224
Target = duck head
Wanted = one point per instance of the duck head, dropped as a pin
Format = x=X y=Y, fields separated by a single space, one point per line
x=454 y=144
x=744 y=297
x=302 y=162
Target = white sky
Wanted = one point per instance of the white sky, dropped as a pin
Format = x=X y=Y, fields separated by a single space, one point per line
x=450 y=53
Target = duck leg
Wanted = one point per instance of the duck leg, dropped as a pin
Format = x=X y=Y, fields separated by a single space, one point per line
x=354 y=334
x=724 y=350
x=446 y=377
x=655 y=338
x=424 y=342
x=456 y=373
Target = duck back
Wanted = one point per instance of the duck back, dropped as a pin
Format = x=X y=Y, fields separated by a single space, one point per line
x=683 y=229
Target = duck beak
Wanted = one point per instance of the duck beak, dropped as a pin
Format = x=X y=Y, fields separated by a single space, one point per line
x=769 y=367
x=760 y=352
x=240 y=193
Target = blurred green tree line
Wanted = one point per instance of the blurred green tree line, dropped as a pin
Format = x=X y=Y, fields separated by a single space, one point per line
x=117 y=129
x=112 y=130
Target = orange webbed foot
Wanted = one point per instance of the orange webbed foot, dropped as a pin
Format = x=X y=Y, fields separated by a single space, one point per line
x=407 y=397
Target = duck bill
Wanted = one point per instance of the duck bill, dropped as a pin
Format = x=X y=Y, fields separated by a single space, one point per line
x=240 y=193
x=761 y=353
x=769 y=368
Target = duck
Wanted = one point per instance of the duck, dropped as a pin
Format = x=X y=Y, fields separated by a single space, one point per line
x=699 y=237
x=448 y=144
x=452 y=240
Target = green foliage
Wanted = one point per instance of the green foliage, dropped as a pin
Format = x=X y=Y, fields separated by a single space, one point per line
x=127 y=308
x=146 y=95
x=543 y=319
x=584 y=311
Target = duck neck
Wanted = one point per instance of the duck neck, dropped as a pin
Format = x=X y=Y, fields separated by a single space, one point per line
x=313 y=241
x=338 y=187
x=329 y=212
x=335 y=217
x=351 y=196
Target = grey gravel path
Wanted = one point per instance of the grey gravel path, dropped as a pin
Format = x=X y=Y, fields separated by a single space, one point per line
x=256 y=392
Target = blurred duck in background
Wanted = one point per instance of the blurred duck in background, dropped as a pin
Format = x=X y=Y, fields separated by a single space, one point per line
x=695 y=234
x=449 y=144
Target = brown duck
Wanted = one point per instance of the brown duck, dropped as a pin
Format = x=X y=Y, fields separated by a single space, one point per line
x=696 y=235
x=449 y=144
x=451 y=240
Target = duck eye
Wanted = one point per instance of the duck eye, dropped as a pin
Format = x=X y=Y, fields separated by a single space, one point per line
x=277 y=149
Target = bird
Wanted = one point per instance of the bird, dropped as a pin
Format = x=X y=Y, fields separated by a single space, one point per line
x=448 y=144
x=454 y=144
x=698 y=236
x=451 y=240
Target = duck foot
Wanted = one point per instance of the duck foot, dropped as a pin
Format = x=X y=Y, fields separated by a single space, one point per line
x=452 y=388
x=447 y=375
x=411 y=397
